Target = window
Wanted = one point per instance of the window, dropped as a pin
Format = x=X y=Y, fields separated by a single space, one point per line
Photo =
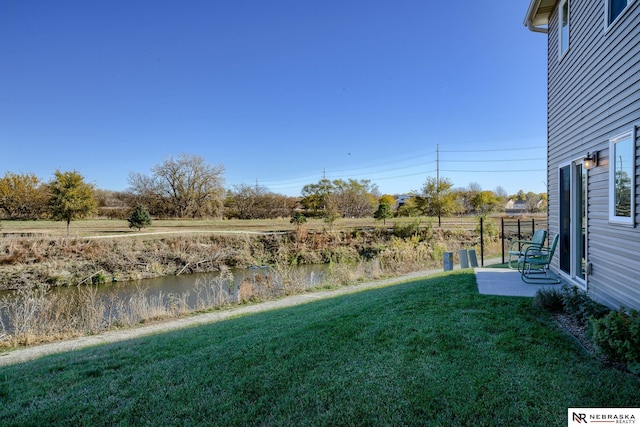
x=615 y=8
x=622 y=151
x=563 y=31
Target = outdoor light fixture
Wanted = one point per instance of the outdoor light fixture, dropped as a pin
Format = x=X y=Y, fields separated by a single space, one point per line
x=591 y=160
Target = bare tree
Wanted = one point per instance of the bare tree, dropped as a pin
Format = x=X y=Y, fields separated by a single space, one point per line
x=533 y=201
x=501 y=192
x=244 y=201
x=474 y=187
x=186 y=187
x=257 y=202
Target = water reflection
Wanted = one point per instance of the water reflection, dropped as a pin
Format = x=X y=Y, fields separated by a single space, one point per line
x=134 y=301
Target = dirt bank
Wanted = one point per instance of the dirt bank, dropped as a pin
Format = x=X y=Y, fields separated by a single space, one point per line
x=30 y=261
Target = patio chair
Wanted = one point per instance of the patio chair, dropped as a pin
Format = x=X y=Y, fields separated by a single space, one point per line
x=518 y=247
x=534 y=264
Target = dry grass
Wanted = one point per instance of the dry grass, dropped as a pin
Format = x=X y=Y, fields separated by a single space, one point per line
x=32 y=264
x=29 y=261
x=41 y=260
x=214 y=291
x=36 y=316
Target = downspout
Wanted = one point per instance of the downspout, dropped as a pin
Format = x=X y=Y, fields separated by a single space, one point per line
x=531 y=13
x=535 y=29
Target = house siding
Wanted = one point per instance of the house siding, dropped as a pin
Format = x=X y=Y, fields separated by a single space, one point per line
x=593 y=95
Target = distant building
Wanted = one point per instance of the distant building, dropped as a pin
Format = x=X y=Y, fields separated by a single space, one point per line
x=515 y=207
x=520 y=207
x=401 y=200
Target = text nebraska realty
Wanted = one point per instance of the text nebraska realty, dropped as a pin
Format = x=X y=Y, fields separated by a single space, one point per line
x=605 y=418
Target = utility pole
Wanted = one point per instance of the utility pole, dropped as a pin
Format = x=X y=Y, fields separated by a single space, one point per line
x=437 y=167
x=438 y=182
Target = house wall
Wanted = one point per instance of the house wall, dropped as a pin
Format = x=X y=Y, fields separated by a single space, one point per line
x=593 y=95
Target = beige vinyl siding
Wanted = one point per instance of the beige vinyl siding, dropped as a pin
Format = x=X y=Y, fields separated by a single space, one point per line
x=594 y=94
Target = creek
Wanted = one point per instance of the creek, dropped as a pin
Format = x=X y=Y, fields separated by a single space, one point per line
x=173 y=294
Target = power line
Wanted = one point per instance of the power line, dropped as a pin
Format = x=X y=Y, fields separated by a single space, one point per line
x=395 y=169
x=491 y=150
x=495 y=160
x=395 y=165
x=494 y=171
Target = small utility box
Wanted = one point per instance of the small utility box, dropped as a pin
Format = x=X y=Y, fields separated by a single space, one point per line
x=448 y=261
x=464 y=259
x=473 y=259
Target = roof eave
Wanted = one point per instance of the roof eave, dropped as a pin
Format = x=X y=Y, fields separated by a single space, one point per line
x=537 y=18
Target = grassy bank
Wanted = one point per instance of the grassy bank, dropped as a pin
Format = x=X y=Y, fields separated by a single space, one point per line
x=431 y=351
x=30 y=259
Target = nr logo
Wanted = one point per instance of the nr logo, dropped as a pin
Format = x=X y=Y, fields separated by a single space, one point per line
x=579 y=418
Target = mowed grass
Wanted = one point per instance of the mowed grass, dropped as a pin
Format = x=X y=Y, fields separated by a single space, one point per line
x=425 y=352
x=113 y=227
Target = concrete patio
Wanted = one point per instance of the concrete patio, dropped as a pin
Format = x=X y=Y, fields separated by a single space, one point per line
x=506 y=282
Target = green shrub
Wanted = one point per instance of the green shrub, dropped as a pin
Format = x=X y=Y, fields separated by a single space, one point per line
x=438 y=252
x=549 y=299
x=617 y=336
x=404 y=231
x=580 y=306
x=490 y=229
x=342 y=255
x=139 y=218
x=298 y=218
x=99 y=278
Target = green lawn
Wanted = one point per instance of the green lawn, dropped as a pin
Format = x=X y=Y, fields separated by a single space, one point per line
x=111 y=227
x=426 y=352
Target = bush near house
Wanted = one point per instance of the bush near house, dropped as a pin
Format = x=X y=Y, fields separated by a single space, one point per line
x=615 y=334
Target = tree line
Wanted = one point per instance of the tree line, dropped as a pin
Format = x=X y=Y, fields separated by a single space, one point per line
x=188 y=187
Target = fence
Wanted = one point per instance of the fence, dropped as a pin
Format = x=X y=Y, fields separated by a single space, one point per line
x=486 y=230
x=483 y=228
x=479 y=227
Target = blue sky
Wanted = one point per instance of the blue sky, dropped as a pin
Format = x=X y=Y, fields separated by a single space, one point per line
x=279 y=92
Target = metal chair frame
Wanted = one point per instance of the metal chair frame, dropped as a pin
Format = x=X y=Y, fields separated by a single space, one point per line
x=518 y=248
x=536 y=261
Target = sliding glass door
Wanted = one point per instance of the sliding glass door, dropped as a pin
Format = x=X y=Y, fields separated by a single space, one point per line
x=573 y=220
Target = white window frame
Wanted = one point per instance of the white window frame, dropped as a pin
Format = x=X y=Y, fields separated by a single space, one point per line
x=607 y=7
x=561 y=37
x=613 y=218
